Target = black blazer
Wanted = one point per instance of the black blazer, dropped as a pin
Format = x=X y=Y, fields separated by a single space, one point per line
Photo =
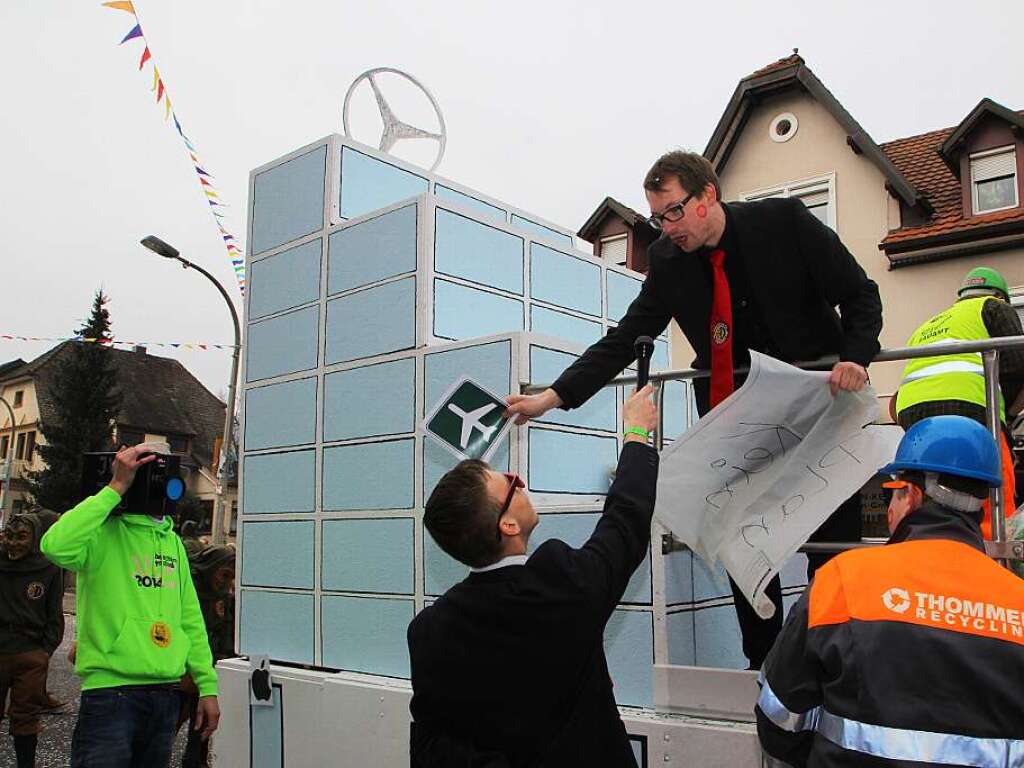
x=798 y=273
x=508 y=667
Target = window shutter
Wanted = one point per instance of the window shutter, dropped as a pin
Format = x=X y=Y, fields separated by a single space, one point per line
x=994 y=166
x=613 y=249
x=766 y=195
x=812 y=199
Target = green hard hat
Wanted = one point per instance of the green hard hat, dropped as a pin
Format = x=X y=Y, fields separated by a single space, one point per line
x=985 y=278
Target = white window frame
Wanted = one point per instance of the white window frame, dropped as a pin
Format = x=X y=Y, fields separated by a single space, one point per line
x=624 y=237
x=1009 y=149
x=802 y=188
x=778 y=119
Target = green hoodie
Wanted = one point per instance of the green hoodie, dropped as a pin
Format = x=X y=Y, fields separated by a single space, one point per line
x=139 y=621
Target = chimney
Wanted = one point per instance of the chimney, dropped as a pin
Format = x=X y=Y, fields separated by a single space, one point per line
x=139 y=349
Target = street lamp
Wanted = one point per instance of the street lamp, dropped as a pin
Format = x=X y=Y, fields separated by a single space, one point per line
x=220 y=517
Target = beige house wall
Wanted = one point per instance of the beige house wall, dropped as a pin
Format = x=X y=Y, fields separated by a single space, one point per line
x=28 y=413
x=26 y=419
x=863 y=216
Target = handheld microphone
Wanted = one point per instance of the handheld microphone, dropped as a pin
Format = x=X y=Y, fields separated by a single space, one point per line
x=644 y=348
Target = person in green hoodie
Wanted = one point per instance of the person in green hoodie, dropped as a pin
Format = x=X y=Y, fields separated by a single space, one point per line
x=31 y=628
x=140 y=627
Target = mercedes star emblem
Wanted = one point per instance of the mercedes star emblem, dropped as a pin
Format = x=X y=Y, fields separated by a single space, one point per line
x=395 y=129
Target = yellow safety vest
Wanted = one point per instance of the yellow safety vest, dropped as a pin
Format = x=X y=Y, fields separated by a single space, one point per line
x=949 y=377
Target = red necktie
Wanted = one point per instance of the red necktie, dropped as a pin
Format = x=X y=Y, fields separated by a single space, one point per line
x=721 y=332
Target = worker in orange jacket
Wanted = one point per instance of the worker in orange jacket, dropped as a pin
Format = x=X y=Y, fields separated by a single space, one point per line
x=911 y=653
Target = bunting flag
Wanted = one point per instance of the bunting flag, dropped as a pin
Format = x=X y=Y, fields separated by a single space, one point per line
x=191 y=346
x=210 y=193
x=136 y=32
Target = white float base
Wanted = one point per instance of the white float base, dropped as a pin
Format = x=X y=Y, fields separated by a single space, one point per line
x=348 y=719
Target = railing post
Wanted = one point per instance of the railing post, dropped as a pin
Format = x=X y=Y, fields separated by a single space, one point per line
x=659 y=428
x=997 y=497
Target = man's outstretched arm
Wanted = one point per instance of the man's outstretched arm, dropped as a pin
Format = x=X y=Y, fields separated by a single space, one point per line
x=605 y=563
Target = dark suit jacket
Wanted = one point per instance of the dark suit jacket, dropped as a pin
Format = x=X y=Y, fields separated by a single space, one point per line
x=798 y=273
x=508 y=667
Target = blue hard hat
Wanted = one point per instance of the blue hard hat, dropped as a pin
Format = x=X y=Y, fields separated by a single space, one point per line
x=952 y=445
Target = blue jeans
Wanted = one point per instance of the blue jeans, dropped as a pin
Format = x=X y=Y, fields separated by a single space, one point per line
x=125 y=728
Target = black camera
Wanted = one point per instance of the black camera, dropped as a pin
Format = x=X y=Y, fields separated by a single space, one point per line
x=156 y=490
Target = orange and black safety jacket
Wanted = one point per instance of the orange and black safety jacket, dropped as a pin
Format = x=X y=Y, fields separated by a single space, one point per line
x=908 y=654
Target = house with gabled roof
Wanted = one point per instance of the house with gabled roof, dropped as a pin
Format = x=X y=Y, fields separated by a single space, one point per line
x=619 y=235
x=971 y=174
x=916 y=212
x=162 y=400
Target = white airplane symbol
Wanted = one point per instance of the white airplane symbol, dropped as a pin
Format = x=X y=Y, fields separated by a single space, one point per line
x=471 y=421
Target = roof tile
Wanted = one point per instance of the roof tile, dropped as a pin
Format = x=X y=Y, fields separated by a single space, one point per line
x=161 y=396
x=788 y=61
x=918 y=158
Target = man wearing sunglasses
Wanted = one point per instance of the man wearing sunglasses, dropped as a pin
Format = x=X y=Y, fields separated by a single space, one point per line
x=763 y=275
x=508 y=666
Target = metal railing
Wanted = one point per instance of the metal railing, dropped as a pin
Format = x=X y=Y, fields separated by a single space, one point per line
x=998 y=548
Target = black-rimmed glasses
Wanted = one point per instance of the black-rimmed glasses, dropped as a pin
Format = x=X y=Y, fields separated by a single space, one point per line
x=673 y=213
x=514 y=481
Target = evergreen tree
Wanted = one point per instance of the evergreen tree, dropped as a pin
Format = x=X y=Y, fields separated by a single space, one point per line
x=86 y=399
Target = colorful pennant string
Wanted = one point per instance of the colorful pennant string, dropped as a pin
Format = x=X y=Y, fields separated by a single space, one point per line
x=212 y=197
x=191 y=346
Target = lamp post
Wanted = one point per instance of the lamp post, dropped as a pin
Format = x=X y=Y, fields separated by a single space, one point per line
x=8 y=462
x=220 y=516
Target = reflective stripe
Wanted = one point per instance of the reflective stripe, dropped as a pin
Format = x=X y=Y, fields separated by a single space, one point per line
x=919 y=746
x=776 y=711
x=947 y=340
x=950 y=366
x=893 y=743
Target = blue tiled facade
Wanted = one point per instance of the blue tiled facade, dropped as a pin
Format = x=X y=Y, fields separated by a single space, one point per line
x=374 y=288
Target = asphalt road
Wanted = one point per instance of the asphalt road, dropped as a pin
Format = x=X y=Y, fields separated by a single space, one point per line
x=54 y=749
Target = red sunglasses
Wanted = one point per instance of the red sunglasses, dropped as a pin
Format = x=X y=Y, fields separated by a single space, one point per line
x=514 y=481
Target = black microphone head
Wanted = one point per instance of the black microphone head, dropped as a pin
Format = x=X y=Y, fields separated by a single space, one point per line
x=644 y=347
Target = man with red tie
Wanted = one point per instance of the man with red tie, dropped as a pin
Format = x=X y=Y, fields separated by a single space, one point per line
x=765 y=276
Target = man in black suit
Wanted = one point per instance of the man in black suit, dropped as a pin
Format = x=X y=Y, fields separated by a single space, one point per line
x=508 y=666
x=765 y=276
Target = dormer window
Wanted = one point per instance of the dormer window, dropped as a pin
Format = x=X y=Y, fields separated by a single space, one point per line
x=994 y=180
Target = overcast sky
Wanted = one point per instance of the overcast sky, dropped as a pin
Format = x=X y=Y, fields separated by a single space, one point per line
x=550 y=106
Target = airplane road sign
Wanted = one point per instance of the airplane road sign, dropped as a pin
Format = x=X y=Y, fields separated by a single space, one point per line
x=468 y=420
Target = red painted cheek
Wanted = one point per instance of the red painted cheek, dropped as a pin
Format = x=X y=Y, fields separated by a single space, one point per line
x=702 y=211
